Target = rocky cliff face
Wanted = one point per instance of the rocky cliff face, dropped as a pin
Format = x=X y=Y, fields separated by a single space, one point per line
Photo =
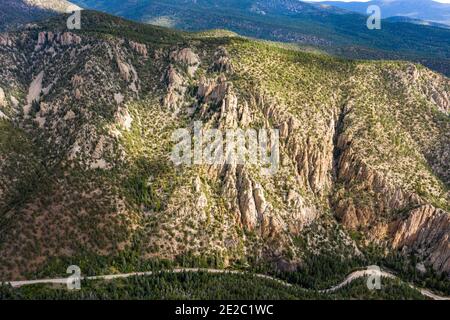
x=363 y=148
x=426 y=231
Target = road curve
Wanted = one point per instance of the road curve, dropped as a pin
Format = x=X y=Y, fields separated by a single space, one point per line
x=348 y=280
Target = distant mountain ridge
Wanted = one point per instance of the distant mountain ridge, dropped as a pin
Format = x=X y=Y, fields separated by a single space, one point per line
x=427 y=10
x=330 y=29
x=16 y=12
x=417 y=21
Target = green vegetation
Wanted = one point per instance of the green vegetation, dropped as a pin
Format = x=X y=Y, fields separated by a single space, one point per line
x=204 y=286
x=110 y=201
x=345 y=35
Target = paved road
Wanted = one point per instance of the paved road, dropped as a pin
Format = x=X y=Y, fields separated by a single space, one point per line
x=349 y=279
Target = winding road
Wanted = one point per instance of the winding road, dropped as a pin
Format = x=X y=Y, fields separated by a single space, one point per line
x=348 y=280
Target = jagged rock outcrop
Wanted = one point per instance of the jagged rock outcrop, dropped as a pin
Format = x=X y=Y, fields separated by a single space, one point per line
x=426 y=82
x=5 y=40
x=70 y=115
x=386 y=197
x=59 y=38
x=128 y=73
x=67 y=38
x=187 y=58
x=2 y=98
x=140 y=48
x=303 y=214
x=34 y=92
x=426 y=233
x=123 y=118
x=222 y=61
x=247 y=205
x=247 y=199
x=124 y=69
x=313 y=159
x=212 y=90
x=176 y=88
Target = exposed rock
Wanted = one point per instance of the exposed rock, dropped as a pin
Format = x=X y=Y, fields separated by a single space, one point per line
x=176 y=88
x=50 y=38
x=270 y=227
x=322 y=170
x=245 y=115
x=57 y=6
x=123 y=118
x=14 y=101
x=212 y=90
x=2 y=98
x=98 y=161
x=41 y=120
x=426 y=82
x=34 y=91
x=222 y=61
x=426 y=231
x=313 y=158
x=5 y=40
x=140 y=48
x=118 y=98
x=172 y=78
x=77 y=94
x=70 y=115
x=228 y=111
x=260 y=200
x=42 y=38
x=247 y=205
x=198 y=184
x=421 y=268
x=202 y=200
x=100 y=164
x=68 y=38
x=124 y=69
x=302 y=214
x=188 y=58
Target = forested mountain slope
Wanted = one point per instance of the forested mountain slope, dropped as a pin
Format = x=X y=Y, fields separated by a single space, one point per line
x=85 y=144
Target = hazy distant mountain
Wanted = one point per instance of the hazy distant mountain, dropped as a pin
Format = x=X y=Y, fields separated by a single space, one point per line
x=417 y=21
x=333 y=30
x=417 y=9
x=15 y=12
